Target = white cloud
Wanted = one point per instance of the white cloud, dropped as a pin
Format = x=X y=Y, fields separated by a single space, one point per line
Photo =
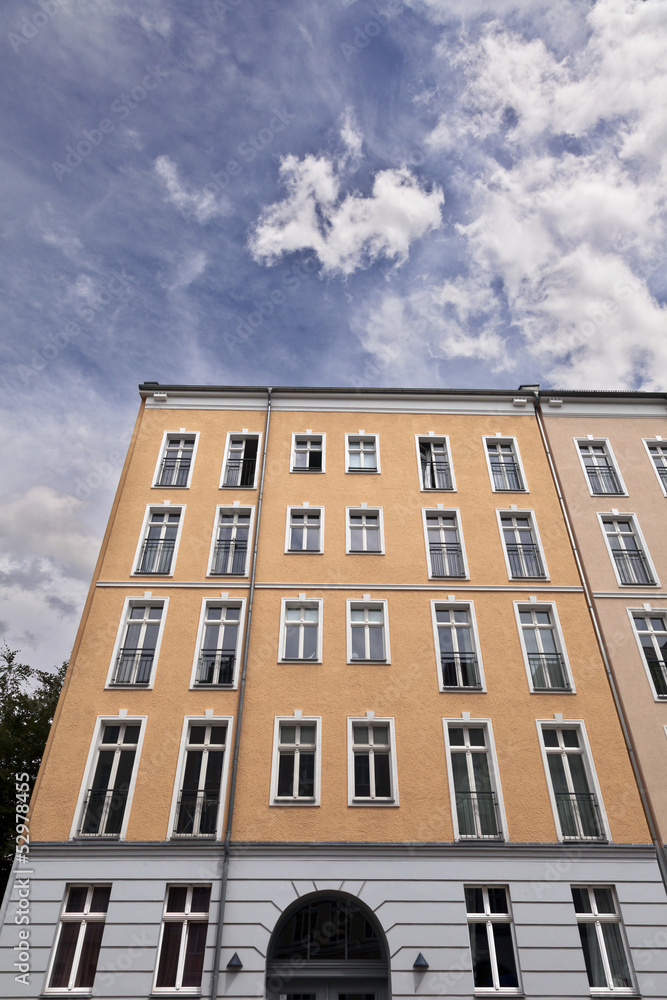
x=201 y=205
x=351 y=136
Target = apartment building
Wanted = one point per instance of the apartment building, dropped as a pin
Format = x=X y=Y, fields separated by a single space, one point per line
x=337 y=724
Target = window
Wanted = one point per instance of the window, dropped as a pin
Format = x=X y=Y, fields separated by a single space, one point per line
x=198 y=805
x=240 y=467
x=600 y=468
x=651 y=630
x=79 y=938
x=631 y=563
x=304 y=529
x=548 y=669
x=136 y=654
x=106 y=799
x=300 y=631
x=157 y=552
x=364 y=530
x=362 y=453
x=605 y=953
x=522 y=550
x=231 y=541
x=183 y=937
x=175 y=465
x=446 y=557
x=494 y=964
x=372 y=767
x=435 y=472
x=571 y=783
x=502 y=455
x=657 y=451
x=472 y=782
x=367 y=634
x=307 y=453
x=295 y=778
x=458 y=662
x=220 y=633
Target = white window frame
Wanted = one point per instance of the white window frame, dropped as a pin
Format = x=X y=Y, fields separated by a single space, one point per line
x=352 y=800
x=504 y=439
x=231 y=509
x=348 y=533
x=225 y=458
x=522 y=512
x=91 y=761
x=446 y=512
x=303 y=509
x=163 y=448
x=128 y=604
x=439 y=605
x=313 y=602
x=435 y=439
x=549 y=606
x=368 y=602
x=494 y=918
x=207 y=602
x=591 y=774
x=157 y=508
x=308 y=434
x=80 y=917
x=656 y=441
x=637 y=532
x=202 y=720
x=293 y=720
x=494 y=773
x=598 y=919
x=361 y=472
x=186 y=990
x=606 y=444
x=651 y=613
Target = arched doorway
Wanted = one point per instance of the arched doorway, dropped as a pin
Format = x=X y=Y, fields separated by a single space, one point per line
x=327 y=946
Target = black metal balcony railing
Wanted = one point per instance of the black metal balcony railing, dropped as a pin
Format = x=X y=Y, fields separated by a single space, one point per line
x=197 y=814
x=579 y=816
x=524 y=560
x=240 y=472
x=632 y=566
x=603 y=480
x=156 y=556
x=174 y=472
x=548 y=672
x=658 y=670
x=459 y=670
x=133 y=666
x=436 y=475
x=478 y=816
x=446 y=559
x=506 y=475
x=103 y=812
x=215 y=667
x=229 y=558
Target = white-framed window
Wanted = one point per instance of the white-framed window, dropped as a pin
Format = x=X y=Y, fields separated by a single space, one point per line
x=600 y=467
x=650 y=629
x=308 y=452
x=495 y=969
x=445 y=551
x=241 y=465
x=458 y=658
x=183 y=939
x=504 y=464
x=573 y=786
x=110 y=777
x=435 y=465
x=135 y=654
x=367 y=631
x=656 y=449
x=230 y=546
x=544 y=653
x=218 y=647
x=474 y=786
x=197 y=810
x=305 y=530
x=627 y=550
x=522 y=547
x=362 y=452
x=176 y=461
x=372 y=773
x=364 y=530
x=602 y=940
x=158 y=542
x=79 y=938
x=301 y=629
x=295 y=773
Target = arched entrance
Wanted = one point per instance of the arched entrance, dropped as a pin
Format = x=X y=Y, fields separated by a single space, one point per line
x=327 y=946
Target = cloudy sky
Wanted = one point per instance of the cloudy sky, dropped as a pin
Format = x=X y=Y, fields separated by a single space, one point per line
x=323 y=192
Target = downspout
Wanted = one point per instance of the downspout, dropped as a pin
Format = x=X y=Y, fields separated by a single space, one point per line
x=239 y=716
x=648 y=811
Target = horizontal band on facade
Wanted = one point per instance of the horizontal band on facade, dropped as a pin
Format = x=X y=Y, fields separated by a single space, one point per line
x=446 y=589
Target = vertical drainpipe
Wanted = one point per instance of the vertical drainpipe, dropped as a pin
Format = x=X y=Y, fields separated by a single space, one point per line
x=239 y=715
x=636 y=769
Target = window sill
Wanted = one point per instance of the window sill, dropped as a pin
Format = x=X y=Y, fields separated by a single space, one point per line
x=291 y=803
x=373 y=802
x=304 y=552
x=370 y=552
x=362 y=472
x=213 y=687
x=463 y=689
x=165 y=486
x=353 y=663
x=316 y=472
x=299 y=659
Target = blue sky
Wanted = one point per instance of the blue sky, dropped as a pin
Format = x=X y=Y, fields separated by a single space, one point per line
x=321 y=192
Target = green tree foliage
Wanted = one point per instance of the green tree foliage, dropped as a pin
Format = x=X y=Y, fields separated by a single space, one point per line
x=28 y=699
